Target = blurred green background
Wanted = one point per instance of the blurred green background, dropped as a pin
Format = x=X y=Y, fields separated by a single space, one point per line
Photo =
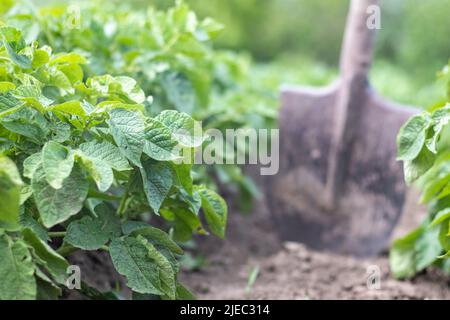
x=299 y=41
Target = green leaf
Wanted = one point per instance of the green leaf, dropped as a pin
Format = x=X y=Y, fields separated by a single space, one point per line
x=411 y=137
x=402 y=255
x=13 y=41
x=183 y=293
x=106 y=152
x=440 y=217
x=427 y=248
x=185 y=130
x=8 y=104
x=10 y=188
x=157 y=237
x=127 y=128
x=46 y=289
x=27 y=221
x=186 y=223
x=157 y=180
x=57 y=205
x=444 y=235
x=70 y=107
x=146 y=270
x=416 y=168
x=159 y=143
x=100 y=171
x=57 y=162
x=215 y=210
x=31 y=163
x=183 y=176
x=440 y=118
x=179 y=91
x=91 y=233
x=55 y=264
x=68 y=58
x=16 y=270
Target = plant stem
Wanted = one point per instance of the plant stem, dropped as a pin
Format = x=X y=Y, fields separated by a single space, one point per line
x=57 y=234
x=123 y=201
x=66 y=250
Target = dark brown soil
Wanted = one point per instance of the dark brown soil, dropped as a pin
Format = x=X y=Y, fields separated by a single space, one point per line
x=291 y=271
x=286 y=270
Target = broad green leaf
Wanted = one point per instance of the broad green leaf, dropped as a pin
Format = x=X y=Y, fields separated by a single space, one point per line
x=440 y=118
x=73 y=72
x=14 y=43
x=40 y=57
x=106 y=152
x=411 y=137
x=57 y=162
x=8 y=104
x=129 y=86
x=100 y=171
x=70 y=107
x=129 y=226
x=10 y=188
x=414 y=169
x=215 y=210
x=6 y=86
x=46 y=289
x=57 y=205
x=124 y=87
x=159 y=143
x=402 y=255
x=146 y=270
x=185 y=130
x=427 y=248
x=179 y=91
x=55 y=264
x=16 y=270
x=157 y=181
x=127 y=128
x=444 y=235
x=183 y=176
x=440 y=217
x=183 y=293
x=186 y=224
x=27 y=221
x=25 y=193
x=157 y=237
x=31 y=163
x=68 y=58
x=62 y=82
x=91 y=233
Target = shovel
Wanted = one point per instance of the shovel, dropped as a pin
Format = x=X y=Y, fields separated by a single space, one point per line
x=339 y=187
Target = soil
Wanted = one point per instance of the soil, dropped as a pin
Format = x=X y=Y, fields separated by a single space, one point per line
x=286 y=270
x=292 y=271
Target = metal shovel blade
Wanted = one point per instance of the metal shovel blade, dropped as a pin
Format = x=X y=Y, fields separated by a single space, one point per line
x=371 y=200
x=339 y=187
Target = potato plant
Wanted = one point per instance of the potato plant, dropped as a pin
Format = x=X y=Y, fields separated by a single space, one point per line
x=424 y=148
x=83 y=164
x=170 y=55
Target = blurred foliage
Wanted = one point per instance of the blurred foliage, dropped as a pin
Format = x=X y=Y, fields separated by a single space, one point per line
x=412 y=44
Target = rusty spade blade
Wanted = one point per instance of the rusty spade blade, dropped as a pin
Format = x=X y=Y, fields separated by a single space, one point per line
x=339 y=187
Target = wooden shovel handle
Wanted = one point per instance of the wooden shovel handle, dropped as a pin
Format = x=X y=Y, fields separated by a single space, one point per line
x=357 y=48
x=356 y=58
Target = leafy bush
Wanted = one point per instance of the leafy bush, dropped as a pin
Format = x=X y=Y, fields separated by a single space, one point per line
x=169 y=54
x=423 y=146
x=82 y=159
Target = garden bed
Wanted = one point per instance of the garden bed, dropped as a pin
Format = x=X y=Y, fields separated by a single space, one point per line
x=291 y=271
